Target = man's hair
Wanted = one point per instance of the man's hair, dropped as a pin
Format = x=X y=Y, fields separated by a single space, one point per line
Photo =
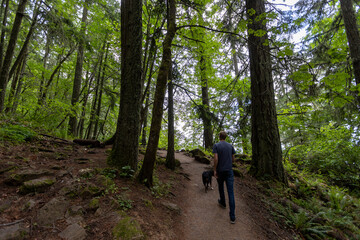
x=222 y=135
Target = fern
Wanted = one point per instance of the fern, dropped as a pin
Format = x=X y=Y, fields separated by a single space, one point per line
x=16 y=133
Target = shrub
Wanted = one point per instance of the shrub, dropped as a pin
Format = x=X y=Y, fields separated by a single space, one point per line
x=16 y=133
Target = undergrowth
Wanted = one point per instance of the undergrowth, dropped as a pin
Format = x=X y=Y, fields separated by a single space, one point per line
x=16 y=133
x=316 y=210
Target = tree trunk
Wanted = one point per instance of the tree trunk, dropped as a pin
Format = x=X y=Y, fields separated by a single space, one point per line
x=98 y=108
x=205 y=108
x=353 y=36
x=93 y=111
x=145 y=109
x=125 y=149
x=4 y=74
x=146 y=172
x=18 y=86
x=265 y=139
x=145 y=120
x=170 y=157
x=52 y=76
x=85 y=101
x=24 y=47
x=45 y=59
x=15 y=84
x=4 y=11
x=78 y=73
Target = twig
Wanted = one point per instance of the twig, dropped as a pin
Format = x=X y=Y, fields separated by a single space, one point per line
x=12 y=223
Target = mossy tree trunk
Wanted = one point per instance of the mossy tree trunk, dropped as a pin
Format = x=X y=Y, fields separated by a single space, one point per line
x=126 y=146
x=205 y=108
x=353 y=37
x=265 y=138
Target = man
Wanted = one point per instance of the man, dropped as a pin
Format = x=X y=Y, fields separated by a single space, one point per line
x=223 y=159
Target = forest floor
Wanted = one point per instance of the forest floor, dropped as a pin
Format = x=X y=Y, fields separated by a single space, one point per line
x=54 y=189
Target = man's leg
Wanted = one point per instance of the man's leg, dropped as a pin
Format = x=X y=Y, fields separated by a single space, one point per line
x=220 y=181
x=230 y=189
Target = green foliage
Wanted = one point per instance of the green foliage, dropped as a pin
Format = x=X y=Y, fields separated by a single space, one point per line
x=315 y=209
x=307 y=226
x=124 y=202
x=331 y=154
x=127 y=172
x=16 y=133
x=159 y=189
x=109 y=172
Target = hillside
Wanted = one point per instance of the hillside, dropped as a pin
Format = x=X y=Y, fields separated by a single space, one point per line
x=55 y=189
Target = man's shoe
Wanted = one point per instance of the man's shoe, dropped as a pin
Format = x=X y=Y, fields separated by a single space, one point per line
x=221 y=205
x=232 y=221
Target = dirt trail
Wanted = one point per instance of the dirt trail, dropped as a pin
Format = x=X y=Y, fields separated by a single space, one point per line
x=203 y=218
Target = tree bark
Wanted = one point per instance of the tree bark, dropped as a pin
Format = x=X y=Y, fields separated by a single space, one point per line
x=146 y=172
x=16 y=86
x=205 y=108
x=45 y=60
x=84 y=103
x=78 y=73
x=353 y=36
x=4 y=74
x=93 y=112
x=24 y=47
x=102 y=80
x=170 y=156
x=4 y=10
x=265 y=138
x=125 y=149
x=144 y=121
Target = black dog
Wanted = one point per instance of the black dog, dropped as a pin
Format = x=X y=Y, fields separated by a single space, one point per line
x=206 y=178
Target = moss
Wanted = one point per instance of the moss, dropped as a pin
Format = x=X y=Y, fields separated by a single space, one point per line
x=94 y=203
x=91 y=190
x=37 y=185
x=127 y=229
x=148 y=203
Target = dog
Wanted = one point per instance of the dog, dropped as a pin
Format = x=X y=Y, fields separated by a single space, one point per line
x=206 y=178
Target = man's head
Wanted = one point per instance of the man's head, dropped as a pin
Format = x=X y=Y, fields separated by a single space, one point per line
x=222 y=135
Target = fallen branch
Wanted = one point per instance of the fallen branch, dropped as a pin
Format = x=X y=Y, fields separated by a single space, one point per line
x=61 y=139
x=12 y=223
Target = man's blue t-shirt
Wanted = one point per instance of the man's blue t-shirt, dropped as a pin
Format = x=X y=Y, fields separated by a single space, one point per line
x=225 y=151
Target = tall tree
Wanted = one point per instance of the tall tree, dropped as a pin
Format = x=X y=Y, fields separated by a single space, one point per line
x=78 y=71
x=205 y=113
x=265 y=138
x=203 y=64
x=170 y=156
x=3 y=15
x=5 y=69
x=353 y=36
x=146 y=172
x=125 y=149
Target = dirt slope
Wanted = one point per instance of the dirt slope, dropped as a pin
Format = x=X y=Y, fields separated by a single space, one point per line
x=86 y=207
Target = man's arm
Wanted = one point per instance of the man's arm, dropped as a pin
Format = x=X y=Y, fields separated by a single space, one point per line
x=215 y=164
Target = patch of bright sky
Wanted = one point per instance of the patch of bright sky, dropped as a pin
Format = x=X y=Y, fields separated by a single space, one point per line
x=289 y=5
